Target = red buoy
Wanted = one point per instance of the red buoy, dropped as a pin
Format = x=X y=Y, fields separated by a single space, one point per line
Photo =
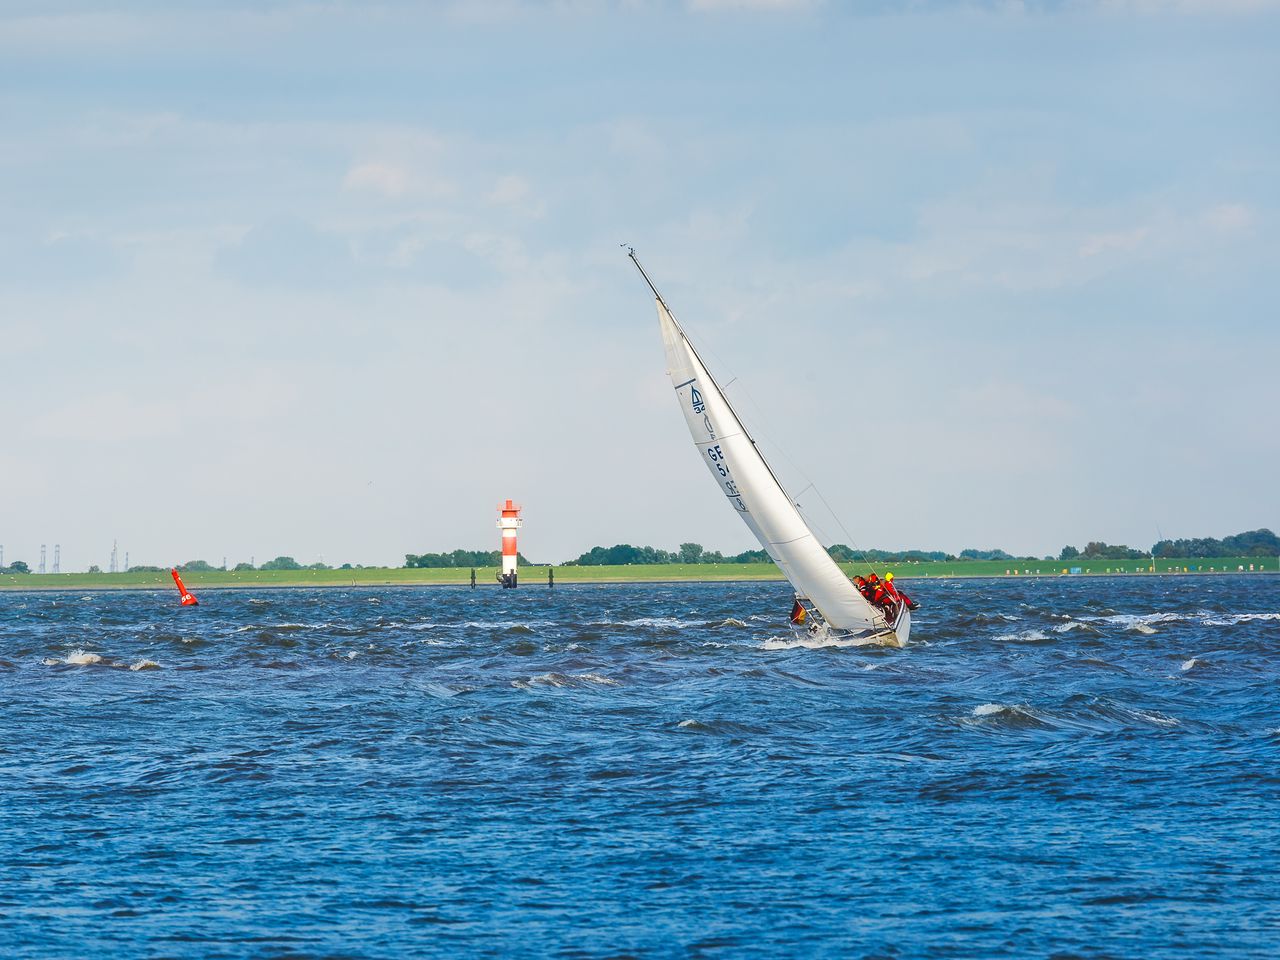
x=188 y=599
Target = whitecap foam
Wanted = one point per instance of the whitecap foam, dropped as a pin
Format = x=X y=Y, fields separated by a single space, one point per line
x=1024 y=636
x=597 y=678
x=673 y=622
x=76 y=658
x=1230 y=619
x=1141 y=622
x=1192 y=664
x=283 y=626
x=554 y=679
x=817 y=643
x=1160 y=719
x=733 y=622
x=987 y=709
x=144 y=664
x=542 y=680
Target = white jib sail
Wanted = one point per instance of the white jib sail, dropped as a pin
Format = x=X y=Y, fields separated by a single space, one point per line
x=755 y=493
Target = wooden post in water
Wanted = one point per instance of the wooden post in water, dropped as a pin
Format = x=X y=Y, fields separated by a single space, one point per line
x=551 y=577
x=473 y=578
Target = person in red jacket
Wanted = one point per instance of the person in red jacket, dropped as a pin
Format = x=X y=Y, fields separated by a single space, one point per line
x=898 y=594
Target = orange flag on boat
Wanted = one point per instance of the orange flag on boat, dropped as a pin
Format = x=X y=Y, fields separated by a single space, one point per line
x=188 y=600
x=798 y=613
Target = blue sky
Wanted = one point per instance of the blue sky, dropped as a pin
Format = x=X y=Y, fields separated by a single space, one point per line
x=332 y=279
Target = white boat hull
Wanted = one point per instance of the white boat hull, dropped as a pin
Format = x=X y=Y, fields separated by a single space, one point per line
x=897 y=634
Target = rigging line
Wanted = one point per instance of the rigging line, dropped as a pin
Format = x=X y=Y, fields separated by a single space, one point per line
x=852 y=543
x=812 y=485
x=745 y=394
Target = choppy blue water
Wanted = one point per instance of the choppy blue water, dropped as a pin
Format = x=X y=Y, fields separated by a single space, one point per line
x=1054 y=768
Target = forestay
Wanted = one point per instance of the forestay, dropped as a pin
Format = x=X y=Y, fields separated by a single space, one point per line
x=752 y=489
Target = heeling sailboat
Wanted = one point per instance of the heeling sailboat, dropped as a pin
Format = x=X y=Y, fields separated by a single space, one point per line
x=833 y=608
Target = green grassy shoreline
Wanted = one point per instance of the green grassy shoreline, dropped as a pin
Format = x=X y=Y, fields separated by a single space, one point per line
x=655 y=573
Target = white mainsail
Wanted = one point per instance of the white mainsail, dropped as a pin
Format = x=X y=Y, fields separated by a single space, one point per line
x=753 y=490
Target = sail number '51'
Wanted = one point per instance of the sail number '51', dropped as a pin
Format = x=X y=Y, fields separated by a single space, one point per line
x=717 y=459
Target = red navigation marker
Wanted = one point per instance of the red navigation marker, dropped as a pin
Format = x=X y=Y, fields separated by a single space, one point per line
x=188 y=600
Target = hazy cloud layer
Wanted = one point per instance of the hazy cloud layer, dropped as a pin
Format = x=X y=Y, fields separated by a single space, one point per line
x=333 y=280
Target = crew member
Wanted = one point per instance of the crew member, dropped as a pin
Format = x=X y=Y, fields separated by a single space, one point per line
x=893 y=591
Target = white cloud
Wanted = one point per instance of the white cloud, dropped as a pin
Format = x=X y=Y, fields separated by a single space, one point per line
x=1229 y=218
x=509 y=190
x=384 y=178
x=1188 y=6
x=712 y=5
x=1118 y=240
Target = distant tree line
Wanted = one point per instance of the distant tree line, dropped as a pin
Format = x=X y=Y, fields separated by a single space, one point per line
x=1255 y=543
x=460 y=558
x=624 y=553
x=1097 y=550
x=1252 y=543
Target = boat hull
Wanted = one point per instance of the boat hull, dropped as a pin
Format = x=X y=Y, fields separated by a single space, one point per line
x=896 y=634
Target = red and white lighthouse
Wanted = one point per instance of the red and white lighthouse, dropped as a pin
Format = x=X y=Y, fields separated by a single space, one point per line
x=508 y=522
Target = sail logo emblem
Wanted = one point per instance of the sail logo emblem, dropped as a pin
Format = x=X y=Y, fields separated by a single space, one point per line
x=696 y=397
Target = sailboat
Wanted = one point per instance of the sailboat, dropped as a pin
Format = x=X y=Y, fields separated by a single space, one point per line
x=828 y=607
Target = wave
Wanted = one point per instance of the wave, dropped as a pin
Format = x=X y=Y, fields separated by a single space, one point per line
x=670 y=622
x=1142 y=622
x=1232 y=619
x=1075 y=625
x=77 y=658
x=1024 y=636
x=726 y=727
x=1124 y=716
x=283 y=627
x=554 y=679
x=1008 y=715
x=144 y=664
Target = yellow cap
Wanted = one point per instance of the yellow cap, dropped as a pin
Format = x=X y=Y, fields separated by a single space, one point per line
x=888 y=576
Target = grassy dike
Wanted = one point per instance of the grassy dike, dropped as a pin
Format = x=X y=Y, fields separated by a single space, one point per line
x=531 y=576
